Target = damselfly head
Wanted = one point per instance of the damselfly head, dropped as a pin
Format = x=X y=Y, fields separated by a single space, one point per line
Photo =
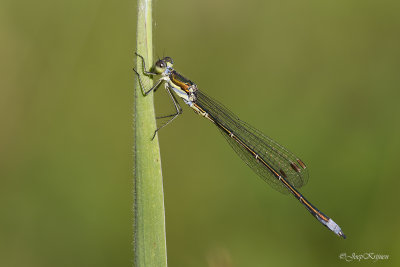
x=162 y=64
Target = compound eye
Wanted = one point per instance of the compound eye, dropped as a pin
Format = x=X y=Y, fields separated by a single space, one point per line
x=160 y=66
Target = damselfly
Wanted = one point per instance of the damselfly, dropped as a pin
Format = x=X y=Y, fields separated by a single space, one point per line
x=272 y=162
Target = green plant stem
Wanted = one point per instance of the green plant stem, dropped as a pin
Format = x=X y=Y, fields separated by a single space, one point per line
x=148 y=207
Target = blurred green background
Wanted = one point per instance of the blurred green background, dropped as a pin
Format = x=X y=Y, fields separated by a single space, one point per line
x=322 y=78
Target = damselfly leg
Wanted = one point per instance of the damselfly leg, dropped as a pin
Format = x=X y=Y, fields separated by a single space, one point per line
x=178 y=108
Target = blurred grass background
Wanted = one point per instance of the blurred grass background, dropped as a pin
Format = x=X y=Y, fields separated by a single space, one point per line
x=322 y=78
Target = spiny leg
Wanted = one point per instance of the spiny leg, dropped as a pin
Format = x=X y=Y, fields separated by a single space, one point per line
x=178 y=112
x=144 y=66
x=155 y=87
x=176 y=105
x=145 y=93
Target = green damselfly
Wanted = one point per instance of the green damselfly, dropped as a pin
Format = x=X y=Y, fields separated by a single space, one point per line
x=272 y=162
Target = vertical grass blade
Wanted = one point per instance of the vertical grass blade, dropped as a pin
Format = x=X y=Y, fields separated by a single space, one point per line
x=148 y=207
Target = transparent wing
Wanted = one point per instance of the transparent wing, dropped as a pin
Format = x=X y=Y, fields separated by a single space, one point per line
x=281 y=159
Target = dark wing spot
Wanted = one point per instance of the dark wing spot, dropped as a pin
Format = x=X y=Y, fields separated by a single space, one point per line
x=294 y=167
x=301 y=164
x=283 y=173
